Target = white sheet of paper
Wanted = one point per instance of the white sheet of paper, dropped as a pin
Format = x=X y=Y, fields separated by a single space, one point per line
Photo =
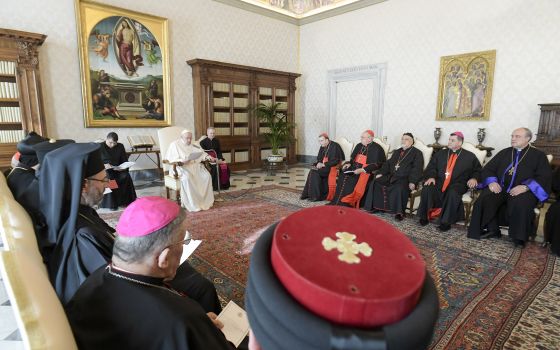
x=236 y=324
x=194 y=155
x=189 y=249
x=124 y=165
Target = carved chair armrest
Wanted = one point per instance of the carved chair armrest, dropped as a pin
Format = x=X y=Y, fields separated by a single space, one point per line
x=174 y=167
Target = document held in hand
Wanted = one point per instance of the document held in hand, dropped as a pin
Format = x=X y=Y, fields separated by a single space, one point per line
x=194 y=156
x=236 y=324
x=123 y=166
x=189 y=249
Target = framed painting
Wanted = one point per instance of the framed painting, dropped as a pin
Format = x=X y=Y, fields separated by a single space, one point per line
x=124 y=61
x=465 y=86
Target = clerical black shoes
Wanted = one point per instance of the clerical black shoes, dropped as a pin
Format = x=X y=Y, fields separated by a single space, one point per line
x=491 y=234
x=443 y=227
x=518 y=243
x=374 y=211
x=399 y=217
x=424 y=222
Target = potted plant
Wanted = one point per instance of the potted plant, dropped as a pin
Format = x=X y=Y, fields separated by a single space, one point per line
x=279 y=128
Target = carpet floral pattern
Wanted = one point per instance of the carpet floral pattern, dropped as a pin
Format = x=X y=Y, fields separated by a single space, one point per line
x=492 y=295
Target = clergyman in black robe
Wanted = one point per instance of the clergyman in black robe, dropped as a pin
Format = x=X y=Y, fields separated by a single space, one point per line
x=447 y=177
x=114 y=154
x=127 y=304
x=321 y=180
x=220 y=170
x=397 y=177
x=72 y=181
x=22 y=180
x=514 y=181
x=552 y=218
x=366 y=158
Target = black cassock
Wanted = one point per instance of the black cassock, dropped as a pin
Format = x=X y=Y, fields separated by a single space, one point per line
x=317 y=187
x=466 y=167
x=214 y=145
x=552 y=218
x=493 y=209
x=25 y=187
x=390 y=191
x=346 y=183
x=125 y=194
x=110 y=312
x=92 y=247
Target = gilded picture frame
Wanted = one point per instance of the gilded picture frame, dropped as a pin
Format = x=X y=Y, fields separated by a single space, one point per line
x=124 y=63
x=465 y=86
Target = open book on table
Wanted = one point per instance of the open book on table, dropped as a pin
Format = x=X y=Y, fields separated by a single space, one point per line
x=141 y=141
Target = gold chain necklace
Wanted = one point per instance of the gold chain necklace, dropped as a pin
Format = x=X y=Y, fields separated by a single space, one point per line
x=513 y=167
x=397 y=166
x=108 y=268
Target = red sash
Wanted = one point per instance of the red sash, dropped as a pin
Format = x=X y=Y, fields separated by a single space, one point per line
x=435 y=212
x=354 y=198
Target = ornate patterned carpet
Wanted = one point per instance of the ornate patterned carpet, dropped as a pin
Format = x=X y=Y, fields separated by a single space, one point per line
x=492 y=296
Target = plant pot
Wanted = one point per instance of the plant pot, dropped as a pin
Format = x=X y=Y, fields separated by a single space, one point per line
x=275 y=158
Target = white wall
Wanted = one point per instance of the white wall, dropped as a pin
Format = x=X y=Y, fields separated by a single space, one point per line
x=198 y=29
x=411 y=36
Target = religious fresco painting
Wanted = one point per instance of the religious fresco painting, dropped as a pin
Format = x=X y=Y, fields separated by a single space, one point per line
x=124 y=66
x=465 y=86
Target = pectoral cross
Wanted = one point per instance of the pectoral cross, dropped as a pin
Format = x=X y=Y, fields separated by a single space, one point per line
x=397 y=167
x=447 y=174
x=511 y=171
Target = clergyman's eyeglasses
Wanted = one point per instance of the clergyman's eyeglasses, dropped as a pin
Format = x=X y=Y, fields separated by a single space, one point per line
x=105 y=180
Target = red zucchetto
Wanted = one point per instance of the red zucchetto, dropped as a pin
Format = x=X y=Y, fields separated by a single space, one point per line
x=347 y=266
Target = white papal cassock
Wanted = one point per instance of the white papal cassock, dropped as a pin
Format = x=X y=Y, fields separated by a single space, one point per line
x=196 y=181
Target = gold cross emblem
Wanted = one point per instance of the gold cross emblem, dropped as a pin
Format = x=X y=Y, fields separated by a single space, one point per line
x=348 y=248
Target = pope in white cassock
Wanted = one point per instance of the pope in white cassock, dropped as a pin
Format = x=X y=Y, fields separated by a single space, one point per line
x=196 y=181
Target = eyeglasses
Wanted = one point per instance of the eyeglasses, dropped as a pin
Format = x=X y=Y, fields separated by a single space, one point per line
x=105 y=180
x=185 y=241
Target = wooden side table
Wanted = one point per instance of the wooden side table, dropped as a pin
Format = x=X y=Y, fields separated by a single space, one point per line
x=147 y=151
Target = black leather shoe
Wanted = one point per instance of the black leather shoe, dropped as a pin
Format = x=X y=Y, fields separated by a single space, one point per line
x=517 y=243
x=491 y=234
x=374 y=211
x=399 y=217
x=424 y=222
x=444 y=227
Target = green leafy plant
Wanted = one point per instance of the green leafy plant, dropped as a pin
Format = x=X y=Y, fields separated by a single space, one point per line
x=279 y=128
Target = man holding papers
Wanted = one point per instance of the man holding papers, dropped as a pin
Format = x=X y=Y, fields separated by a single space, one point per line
x=128 y=304
x=114 y=156
x=196 y=181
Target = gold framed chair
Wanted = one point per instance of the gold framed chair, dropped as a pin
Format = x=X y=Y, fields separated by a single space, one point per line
x=386 y=147
x=346 y=146
x=469 y=197
x=170 y=175
x=427 y=155
x=39 y=314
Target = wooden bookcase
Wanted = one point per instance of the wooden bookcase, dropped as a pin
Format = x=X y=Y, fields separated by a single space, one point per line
x=224 y=95
x=21 y=102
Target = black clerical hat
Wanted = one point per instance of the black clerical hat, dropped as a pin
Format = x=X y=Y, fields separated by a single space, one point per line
x=45 y=147
x=279 y=321
x=28 y=156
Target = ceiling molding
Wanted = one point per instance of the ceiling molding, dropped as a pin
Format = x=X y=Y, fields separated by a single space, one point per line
x=303 y=19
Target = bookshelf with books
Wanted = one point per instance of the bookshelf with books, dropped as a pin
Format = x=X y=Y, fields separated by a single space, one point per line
x=224 y=95
x=21 y=104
